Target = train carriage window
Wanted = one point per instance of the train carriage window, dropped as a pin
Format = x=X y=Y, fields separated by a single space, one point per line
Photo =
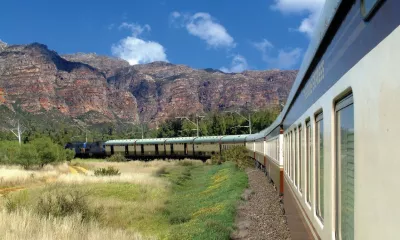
x=319 y=165
x=300 y=163
x=293 y=157
x=368 y=7
x=296 y=170
x=345 y=168
x=309 y=161
x=290 y=156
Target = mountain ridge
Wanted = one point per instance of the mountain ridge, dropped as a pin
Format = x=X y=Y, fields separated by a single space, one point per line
x=108 y=89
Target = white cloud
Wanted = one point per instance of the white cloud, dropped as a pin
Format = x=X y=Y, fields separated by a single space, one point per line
x=282 y=59
x=263 y=46
x=205 y=27
x=136 y=50
x=238 y=64
x=175 y=14
x=135 y=28
x=312 y=8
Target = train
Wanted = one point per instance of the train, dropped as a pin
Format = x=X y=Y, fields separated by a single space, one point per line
x=332 y=153
x=87 y=149
x=176 y=148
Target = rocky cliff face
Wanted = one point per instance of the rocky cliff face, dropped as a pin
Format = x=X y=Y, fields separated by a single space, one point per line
x=101 y=89
x=37 y=80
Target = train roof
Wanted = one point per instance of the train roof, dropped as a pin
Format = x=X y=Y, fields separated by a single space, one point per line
x=208 y=139
x=151 y=141
x=180 y=140
x=255 y=136
x=320 y=33
x=120 y=142
x=233 y=138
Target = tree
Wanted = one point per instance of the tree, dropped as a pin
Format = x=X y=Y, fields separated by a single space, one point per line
x=18 y=129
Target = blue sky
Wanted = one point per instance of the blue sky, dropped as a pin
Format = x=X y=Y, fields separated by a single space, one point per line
x=231 y=35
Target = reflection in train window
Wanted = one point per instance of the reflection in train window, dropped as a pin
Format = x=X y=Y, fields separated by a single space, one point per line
x=309 y=161
x=345 y=168
x=300 y=158
x=296 y=170
x=368 y=6
x=319 y=166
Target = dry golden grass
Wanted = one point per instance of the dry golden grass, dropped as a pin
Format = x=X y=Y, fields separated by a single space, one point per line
x=131 y=167
x=16 y=176
x=24 y=224
x=137 y=178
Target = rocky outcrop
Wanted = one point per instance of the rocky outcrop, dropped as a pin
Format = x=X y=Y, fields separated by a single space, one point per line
x=164 y=90
x=105 y=64
x=101 y=89
x=37 y=80
x=3 y=45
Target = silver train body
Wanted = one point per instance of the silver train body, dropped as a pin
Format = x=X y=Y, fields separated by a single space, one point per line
x=333 y=152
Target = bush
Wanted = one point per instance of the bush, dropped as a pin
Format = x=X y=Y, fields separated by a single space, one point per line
x=27 y=156
x=47 y=150
x=238 y=155
x=116 y=158
x=9 y=152
x=69 y=154
x=40 y=152
x=109 y=171
x=62 y=204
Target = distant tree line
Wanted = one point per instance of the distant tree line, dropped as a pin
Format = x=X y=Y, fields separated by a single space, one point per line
x=213 y=124
x=39 y=152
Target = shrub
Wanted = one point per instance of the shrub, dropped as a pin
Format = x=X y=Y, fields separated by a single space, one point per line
x=185 y=163
x=161 y=171
x=238 y=155
x=69 y=154
x=62 y=204
x=27 y=156
x=116 y=158
x=9 y=152
x=48 y=151
x=109 y=171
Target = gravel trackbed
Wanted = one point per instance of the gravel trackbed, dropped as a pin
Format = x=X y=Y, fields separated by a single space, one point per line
x=260 y=215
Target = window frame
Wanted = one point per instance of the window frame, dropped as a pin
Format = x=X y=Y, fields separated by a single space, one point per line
x=296 y=182
x=300 y=145
x=309 y=159
x=319 y=206
x=368 y=15
x=341 y=104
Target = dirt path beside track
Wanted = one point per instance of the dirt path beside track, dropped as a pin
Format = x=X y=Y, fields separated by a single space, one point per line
x=260 y=215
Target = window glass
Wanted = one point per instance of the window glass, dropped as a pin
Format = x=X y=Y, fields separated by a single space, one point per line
x=292 y=155
x=345 y=169
x=319 y=168
x=300 y=163
x=295 y=158
x=368 y=6
x=309 y=162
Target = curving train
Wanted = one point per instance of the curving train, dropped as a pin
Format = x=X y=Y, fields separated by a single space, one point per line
x=333 y=151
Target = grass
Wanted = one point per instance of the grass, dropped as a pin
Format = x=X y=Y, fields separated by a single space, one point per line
x=11 y=176
x=203 y=207
x=158 y=199
x=26 y=224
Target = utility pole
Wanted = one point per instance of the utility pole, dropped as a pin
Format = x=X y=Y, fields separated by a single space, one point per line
x=82 y=129
x=250 y=123
x=247 y=119
x=194 y=123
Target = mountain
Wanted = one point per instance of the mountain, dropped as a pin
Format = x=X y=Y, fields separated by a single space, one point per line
x=99 y=89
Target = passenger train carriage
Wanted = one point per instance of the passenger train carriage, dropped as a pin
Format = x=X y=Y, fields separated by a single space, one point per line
x=333 y=152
